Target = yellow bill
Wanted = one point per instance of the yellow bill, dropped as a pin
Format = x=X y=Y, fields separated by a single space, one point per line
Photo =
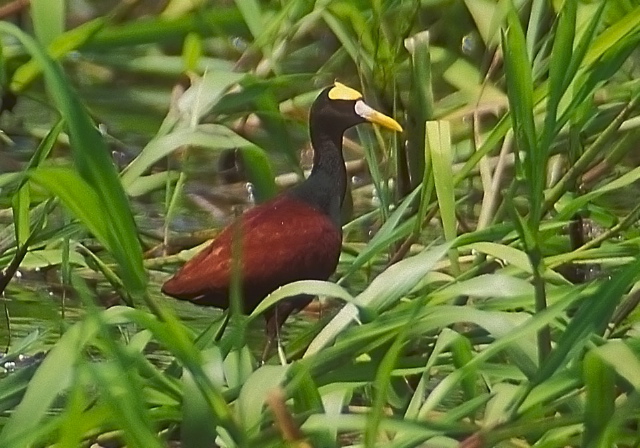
x=373 y=116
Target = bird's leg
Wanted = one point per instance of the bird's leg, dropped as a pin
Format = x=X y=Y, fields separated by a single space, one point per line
x=267 y=348
x=276 y=317
x=281 y=355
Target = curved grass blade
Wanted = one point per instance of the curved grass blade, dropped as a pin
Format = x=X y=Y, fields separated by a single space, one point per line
x=311 y=287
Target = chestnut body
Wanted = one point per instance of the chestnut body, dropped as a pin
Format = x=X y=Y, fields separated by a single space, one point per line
x=282 y=241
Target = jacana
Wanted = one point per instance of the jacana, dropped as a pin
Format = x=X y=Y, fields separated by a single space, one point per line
x=295 y=236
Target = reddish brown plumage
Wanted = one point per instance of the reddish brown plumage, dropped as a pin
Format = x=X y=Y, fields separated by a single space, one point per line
x=283 y=240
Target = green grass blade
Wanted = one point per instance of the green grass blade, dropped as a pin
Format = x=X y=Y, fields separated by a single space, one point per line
x=252 y=15
x=13 y=387
x=339 y=27
x=518 y=333
x=599 y=381
x=48 y=19
x=78 y=196
x=20 y=205
x=444 y=339
x=558 y=78
x=623 y=358
x=192 y=51
x=154 y=30
x=391 y=231
x=268 y=109
x=124 y=398
x=174 y=336
x=311 y=287
x=382 y=382
x=438 y=141
x=614 y=34
x=196 y=430
x=71 y=432
x=421 y=106
x=462 y=354
x=536 y=21
x=520 y=93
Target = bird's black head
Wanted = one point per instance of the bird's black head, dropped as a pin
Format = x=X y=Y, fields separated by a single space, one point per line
x=339 y=107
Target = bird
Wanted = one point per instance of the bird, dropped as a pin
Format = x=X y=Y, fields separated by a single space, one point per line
x=295 y=236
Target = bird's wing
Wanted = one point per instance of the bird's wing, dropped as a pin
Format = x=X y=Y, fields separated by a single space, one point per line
x=282 y=241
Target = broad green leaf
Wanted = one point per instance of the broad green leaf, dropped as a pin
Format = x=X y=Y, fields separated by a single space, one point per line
x=196 y=430
x=625 y=362
x=254 y=393
x=39 y=259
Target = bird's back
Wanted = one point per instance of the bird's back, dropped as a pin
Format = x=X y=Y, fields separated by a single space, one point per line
x=282 y=241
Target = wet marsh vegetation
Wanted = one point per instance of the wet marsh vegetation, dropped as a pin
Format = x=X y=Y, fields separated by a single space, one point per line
x=486 y=293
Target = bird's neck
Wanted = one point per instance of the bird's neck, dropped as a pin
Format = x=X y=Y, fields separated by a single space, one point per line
x=328 y=162
x=326 y=186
